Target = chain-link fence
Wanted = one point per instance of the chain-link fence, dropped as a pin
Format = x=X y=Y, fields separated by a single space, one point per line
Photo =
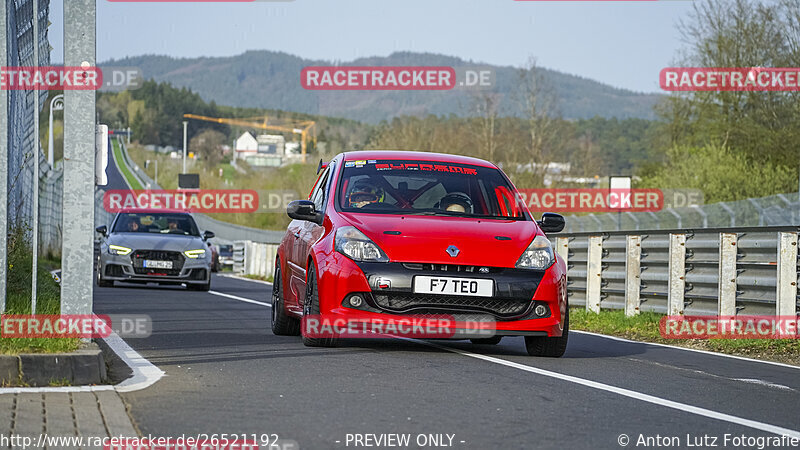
x=775 y=210
x=22 y=143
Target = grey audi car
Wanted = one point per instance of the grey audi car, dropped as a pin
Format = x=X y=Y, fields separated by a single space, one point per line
x=154 y=246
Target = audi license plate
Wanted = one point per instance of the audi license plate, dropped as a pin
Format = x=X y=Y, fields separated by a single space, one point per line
x=453 y=286
x=153 y=264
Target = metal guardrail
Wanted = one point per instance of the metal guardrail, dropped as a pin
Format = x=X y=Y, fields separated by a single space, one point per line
x=253 y=258
x=679 y=271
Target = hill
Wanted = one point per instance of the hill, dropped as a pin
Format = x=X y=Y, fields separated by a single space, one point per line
x=271 y=80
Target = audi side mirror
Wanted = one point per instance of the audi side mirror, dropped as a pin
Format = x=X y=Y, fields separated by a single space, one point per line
x=102 y=229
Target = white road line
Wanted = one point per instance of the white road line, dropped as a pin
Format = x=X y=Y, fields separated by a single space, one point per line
x=241 y=299
x=625 y=392
x=145 y=373
x=705 y=352
x=596 y=385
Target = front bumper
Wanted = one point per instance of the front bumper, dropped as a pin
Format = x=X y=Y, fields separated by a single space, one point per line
x=122 y=268
x=387 y=290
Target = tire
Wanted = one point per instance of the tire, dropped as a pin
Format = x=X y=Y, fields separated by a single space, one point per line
x=282 y=323
x=100 y=281
x=311 y=307
x=494 y=340
x=552 y=347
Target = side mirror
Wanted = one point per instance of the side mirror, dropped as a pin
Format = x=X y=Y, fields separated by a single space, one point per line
x=208 y=235
x=304 y=210
x=551 y=223
x=102 y=229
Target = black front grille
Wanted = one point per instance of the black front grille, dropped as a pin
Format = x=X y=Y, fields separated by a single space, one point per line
x=425 y=303
x=450 y=268
x=139 y=256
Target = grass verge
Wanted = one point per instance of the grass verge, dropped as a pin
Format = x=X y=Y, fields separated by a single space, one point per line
x=119 y=160
x=645 y=327
x=18 y=300
x=258 y=277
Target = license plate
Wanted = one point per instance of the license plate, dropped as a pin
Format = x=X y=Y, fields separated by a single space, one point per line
x=153 y=264
x=453 y=286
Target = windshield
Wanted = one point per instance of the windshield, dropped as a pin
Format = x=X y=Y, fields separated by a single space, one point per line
x=427 y=188
x=162 y=223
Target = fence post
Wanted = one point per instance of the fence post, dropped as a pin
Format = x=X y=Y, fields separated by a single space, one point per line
x=677 y=274
x=727 y=274
x=786 y=304
x=633 y=274
x=77 y=258
x=4 y=98
x=594 y=273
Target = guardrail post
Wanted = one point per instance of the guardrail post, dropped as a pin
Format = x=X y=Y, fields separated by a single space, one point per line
x=562 y=249
x=677 y=274
x=786 y=304
x=633 y=274
x=727 y=274
x=594 y=273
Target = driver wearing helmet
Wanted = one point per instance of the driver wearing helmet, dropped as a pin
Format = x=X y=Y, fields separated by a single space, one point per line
x=364 y=192
x=456 y=202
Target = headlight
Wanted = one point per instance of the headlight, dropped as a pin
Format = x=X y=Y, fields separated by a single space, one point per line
x=355 y=245
x=118 y=250
x=199 y=253
x=538 y=255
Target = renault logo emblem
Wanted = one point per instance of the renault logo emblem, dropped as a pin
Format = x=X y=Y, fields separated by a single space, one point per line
x=453 y=251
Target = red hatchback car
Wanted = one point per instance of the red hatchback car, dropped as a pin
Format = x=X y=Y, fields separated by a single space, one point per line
x=388 y=234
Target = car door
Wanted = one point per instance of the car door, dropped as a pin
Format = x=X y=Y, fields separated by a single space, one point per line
x=310 y=232
x=299 y=235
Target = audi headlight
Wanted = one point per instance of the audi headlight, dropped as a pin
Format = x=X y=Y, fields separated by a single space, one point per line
x=357 y=246
x=118 y=250
x=199 y=253
x=538 y=255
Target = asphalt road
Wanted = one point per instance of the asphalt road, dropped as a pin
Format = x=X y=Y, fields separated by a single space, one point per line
x=227 y=373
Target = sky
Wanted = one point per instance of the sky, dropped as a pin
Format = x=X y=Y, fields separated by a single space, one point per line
x=621 y=43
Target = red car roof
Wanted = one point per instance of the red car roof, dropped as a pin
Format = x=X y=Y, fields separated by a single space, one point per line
x=415 y=156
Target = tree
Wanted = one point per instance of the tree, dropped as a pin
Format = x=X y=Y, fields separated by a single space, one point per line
x=208 y=145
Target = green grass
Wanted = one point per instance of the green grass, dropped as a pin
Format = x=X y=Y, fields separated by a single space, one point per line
x=18 y=300
x=119 y=160
x=645 y=327
x=259 y=277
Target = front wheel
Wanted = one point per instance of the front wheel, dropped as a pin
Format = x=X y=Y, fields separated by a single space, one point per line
x=553 y=347
x=100 y=281
x=311 y=308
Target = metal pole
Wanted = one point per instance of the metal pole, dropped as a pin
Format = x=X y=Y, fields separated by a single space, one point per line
x=185 y=123
x=35 y=178
x=4 y=110
x=156 y=180
x=129 y=136
x=77 y=261
x=56 y=104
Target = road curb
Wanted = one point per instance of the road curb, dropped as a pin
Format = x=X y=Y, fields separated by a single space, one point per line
x=82 y=367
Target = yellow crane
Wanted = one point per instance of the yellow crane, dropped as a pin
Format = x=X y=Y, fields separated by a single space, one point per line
x=303 y=127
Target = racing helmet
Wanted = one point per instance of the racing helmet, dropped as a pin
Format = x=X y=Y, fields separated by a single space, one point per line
x=456 y=202
x=364 y=192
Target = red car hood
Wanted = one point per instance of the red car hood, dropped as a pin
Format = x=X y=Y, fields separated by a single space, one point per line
x=425 y=239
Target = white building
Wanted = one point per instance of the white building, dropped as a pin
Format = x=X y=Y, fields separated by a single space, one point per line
x=246 y=145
